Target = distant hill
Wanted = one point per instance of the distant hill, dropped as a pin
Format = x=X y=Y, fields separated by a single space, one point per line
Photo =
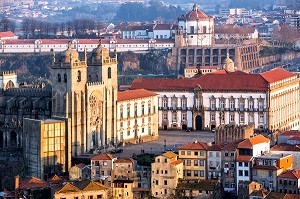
x=249 y=3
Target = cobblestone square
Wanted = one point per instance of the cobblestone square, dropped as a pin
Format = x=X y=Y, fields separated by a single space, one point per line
x=173 y=140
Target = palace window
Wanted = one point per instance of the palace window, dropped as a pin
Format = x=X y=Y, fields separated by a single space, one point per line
x=242 y=105
x=242 y=118
x=251 y=118
x=261 y=106
x=212 y=104
x=183 y=104
x=198 y=103
x=231 y=118
x=165 y=116
x=165 y=103
x=261 y=119
x=174 y=117
x=232 y=104
x=222 y=104
x=184 y=116
x=212 y=117
x=251 y=105
x=174 y=103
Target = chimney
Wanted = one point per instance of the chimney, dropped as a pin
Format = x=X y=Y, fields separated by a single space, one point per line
x=17 y=182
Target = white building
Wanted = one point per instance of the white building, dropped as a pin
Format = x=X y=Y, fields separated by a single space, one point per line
x=197 y=28
x=137 y=115
x=247 y=150
x=225 y=97
x=59 y=45
x=214 y=162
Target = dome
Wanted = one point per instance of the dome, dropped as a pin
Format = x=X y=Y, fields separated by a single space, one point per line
x=67 y=54
x=97 y=52
x=228 y=60
x=229 y=64
x=195 y=14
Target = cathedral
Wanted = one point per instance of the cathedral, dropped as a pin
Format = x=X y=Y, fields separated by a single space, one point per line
x=81 y=113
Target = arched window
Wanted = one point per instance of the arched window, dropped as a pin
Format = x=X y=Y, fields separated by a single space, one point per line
x=59 y=78
x=78 y=76
x=109 y=73
x=65 y=77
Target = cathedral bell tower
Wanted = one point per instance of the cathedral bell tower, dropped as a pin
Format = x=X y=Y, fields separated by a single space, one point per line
x=69 y=78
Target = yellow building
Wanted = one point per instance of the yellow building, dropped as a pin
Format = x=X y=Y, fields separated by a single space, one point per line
x=122 y=189
x=193 y=156
x=166 y=171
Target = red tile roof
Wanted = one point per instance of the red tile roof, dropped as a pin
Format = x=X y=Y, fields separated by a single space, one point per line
x=32 y=182
x=216 y=147
x=285 y=147
x=7 y=34
x=295 y=138
x=169 y=155
x=81 y=165
x=56 y=180
x=265 y=167
x=176 y=162
x=276 y=75
x=124 y=160
x=210 y=81
x=243 y=158
x=194 y=146
x=103 y=156
x=134 y=94
x=162 y=27
x=232 y=146
x=220 y=72
x=248 y=143
x=294 y=174
x=290 y=133
x=195 y=14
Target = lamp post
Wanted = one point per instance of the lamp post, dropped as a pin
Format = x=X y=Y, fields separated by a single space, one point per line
x=165 y=145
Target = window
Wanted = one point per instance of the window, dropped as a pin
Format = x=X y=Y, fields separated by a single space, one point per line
x=201 y=153
x=165 y=116
x=109 y=72
x=213 y=104
x=210 y=154
x=121 y=112
x=143 y=109
x=240 y=172
x=231 y=118
x=226 y=154
x=188 y=152
x=242 y=105
x=188 y=162
x=261 y=118
x=240 y=164
x=165 y=103
x=174 y=104
x=182 y=152
x=156 y=182
x=196 y=173
x=184 y=116
x=59 y=78
x=232 y=104
x=201 y=173
x=65 y=78
x=135 y=110
x=251 y=118
x=192 y=29
x=128 y=133
x=251 y=105
x=174 y=117
x=261 y=106
x=213 y=117
x=198 y=103
x=246 y=164
x=246 y=173
x=242 y=118
x=165 y=182
x=201 y=162
x=231 y=154
x=196 y=153
x=128 y=112
x=78 y=76
x=99 y=196
x=188 y=172
x=217 y=154
x=166 y=191
x=222 y=104
x=90 y=197
x=183 y=104
x=195 y=162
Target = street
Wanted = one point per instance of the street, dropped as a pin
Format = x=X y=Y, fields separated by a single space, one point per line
x=172 y=139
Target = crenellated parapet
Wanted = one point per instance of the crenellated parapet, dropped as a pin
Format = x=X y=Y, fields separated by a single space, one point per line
x=95 y=83
x=27 y=92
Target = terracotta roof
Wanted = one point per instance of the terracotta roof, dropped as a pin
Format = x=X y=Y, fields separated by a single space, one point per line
x=290 y=133
x=276 y=74
x=162 y=27
x=81 y=165
x=294 y=174
x=56 y=180
x=275 y=195
x=295 y=138
x=169 y=155
x=209 y=81
x=195 y=14
x=124 y=160
x=248 y=143
x=243 y=158
x=216 y=147
x=103 y=156
x=223 y=71
x=202 y=67
x=194 y=146
x=176 y=162
x=285 y=147
x=32 y=182
x=134 y=94
x=89 y=185
x=232 y=146
x=7 y=34
x=67 y=188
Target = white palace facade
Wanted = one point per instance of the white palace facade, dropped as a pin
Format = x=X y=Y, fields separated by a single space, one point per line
x=268 y=101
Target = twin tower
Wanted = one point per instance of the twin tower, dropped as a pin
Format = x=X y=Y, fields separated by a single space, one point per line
x=84 y=92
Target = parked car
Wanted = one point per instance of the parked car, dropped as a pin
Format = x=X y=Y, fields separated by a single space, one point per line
x=116 y=150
